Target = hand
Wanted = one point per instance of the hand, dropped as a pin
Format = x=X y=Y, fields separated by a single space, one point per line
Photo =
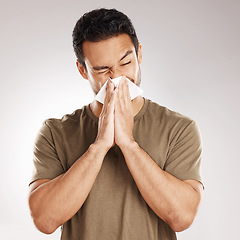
x=124 y=121
x=106 y=118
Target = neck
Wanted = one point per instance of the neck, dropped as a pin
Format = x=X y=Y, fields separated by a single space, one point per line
x=137 y=104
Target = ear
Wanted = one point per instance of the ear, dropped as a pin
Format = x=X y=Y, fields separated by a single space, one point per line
x=139 y=53
x=82 y=70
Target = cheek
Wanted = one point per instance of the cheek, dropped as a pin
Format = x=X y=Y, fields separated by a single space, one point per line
x=132 y=72
x=98 y=81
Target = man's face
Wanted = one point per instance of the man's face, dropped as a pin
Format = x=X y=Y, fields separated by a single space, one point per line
x=112 y=58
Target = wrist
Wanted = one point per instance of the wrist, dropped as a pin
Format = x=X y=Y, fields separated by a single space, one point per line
x=128 y=144
x=99 y=147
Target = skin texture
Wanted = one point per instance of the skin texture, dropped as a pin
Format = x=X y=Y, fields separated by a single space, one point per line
x=173 y=200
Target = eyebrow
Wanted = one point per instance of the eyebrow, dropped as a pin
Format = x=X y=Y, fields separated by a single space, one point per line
x=126 y=54
x=97 y=68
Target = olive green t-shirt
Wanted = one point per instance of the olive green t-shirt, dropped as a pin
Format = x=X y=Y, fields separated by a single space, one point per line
x=114 y=208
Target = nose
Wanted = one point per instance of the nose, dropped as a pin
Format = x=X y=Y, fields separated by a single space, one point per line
x=114 y=73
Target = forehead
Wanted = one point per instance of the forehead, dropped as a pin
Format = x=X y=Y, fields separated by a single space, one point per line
x=107 y=51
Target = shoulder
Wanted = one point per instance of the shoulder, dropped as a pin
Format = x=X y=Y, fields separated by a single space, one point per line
x=167 y=116
x=68 y=121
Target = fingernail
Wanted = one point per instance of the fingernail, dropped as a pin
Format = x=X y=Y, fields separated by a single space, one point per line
x=109 y=81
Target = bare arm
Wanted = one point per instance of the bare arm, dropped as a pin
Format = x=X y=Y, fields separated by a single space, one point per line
x=173 y=200
x=53 y=202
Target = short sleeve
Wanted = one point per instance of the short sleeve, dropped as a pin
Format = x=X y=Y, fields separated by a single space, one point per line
x=184 y=158
x=46 y=163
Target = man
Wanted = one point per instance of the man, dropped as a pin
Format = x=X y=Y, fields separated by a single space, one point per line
x=119 y=170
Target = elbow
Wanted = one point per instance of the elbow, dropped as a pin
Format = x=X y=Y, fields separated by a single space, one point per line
x=179 y=224
x=43 y=222
x=44 y=226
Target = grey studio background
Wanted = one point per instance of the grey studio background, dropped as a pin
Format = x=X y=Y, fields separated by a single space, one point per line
x=190 y=64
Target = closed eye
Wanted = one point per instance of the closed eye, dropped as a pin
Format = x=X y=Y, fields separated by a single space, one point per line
x=125 y=63
x=103 y=72
x=107 y=70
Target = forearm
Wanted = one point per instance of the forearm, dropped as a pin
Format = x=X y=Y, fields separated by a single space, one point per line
x=57 y=200
x=173 y=200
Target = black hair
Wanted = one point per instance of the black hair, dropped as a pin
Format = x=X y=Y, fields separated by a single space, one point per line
x=101 y=24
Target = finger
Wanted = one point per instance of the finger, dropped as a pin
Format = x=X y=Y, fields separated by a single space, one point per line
x=117 y=104
x=107 y=98
x=127 y=95
x=109 y=90
x=120 y=89
x=124 y=93
x=117 y=96
x=111 y=103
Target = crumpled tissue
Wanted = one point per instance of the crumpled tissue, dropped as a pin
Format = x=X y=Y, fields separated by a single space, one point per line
x=133 y=89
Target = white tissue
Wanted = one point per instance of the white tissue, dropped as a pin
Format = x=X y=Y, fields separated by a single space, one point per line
x=133 y=89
